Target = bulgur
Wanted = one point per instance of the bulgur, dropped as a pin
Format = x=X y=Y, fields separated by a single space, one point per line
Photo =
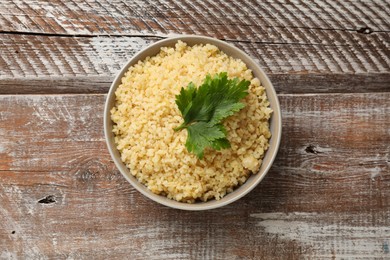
x=145 y=115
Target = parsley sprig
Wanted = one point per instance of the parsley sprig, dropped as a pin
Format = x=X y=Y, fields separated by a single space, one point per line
x=204 y=109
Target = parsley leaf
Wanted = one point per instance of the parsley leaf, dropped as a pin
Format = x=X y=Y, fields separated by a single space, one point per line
x=204 y=108
x=202 y=135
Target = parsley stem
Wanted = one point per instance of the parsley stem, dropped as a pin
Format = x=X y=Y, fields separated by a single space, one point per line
x=182 y=126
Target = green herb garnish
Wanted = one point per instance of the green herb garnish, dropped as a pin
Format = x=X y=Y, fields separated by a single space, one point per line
x=204 y=109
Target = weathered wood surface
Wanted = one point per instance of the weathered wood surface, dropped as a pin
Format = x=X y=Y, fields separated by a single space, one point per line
x=38 y=64
x=260 y=19
x=326 y=196
x=300 y=44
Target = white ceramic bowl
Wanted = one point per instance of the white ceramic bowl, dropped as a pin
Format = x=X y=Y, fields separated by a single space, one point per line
x=275 y=123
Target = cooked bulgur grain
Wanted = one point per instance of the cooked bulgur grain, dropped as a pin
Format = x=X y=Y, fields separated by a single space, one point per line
x=145 y=114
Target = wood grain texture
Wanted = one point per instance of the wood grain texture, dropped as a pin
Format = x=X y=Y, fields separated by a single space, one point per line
x=248 y=20
x=43 y=64
x=299 y=43
x=283 y=83
x=325 y=197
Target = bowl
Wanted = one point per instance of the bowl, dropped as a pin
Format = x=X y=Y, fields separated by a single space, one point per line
x=275 y=123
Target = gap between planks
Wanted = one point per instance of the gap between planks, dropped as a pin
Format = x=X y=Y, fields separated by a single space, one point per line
x=279 y=95
x=161 y=36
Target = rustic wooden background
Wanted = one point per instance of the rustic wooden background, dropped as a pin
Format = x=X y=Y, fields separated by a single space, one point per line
x=327 y=195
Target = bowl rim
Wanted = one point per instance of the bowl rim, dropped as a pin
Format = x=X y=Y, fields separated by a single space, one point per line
x=228 y=198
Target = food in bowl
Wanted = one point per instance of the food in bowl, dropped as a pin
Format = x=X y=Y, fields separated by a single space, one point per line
x=145 y=116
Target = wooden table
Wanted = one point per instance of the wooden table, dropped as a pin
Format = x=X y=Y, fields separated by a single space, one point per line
x=327 y=195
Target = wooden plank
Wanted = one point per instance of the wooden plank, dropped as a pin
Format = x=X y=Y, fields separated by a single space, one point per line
x=312 y=229
x=250 y=19
x=283 y=83
x=42 y=64
x=326 y=195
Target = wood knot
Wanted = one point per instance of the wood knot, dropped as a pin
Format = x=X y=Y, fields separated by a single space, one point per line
x=92 y=172
x=312 y=149
x=47 y=200
x=365 y=30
